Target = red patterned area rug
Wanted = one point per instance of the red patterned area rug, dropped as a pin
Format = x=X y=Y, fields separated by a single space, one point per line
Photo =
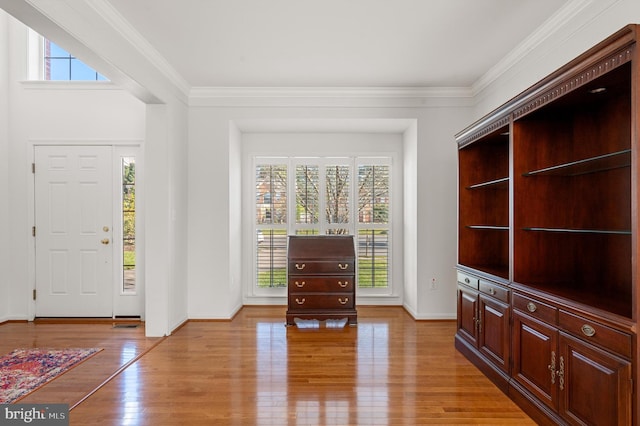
x=24 y=370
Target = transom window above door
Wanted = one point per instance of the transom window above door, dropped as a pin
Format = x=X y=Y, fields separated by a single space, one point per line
x=48 y=61
x=60 y=65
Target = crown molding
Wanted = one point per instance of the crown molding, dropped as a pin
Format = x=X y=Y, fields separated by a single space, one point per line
x=565 y=14
x=398 y=97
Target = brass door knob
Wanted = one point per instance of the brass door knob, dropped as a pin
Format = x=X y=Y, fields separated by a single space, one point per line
x=105 y=241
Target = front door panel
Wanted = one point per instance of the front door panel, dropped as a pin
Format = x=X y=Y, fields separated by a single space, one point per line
x=73 y=213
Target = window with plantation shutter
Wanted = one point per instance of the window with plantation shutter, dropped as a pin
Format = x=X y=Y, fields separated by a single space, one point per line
x=330 y=196
x=373 y=225
x=271 y=225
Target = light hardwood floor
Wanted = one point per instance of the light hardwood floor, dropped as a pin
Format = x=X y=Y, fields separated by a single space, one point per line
x=388 y=370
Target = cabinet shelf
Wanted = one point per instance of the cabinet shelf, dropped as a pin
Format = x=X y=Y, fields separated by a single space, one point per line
x=606 y=301
x=500 y=272
x=502 y=183
x=579 y=231
x=600 y=163
x=489 y=227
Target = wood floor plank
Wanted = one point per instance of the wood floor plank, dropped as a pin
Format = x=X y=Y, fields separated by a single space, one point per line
x=119 y=346
x=387 y=370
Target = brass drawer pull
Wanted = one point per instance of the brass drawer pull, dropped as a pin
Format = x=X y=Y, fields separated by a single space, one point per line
x=343 y=302
x=300 y=302
x=300 y=267
x=300 y=284
x=467 y=280
x=492 y=291
x=531 y=307
x=588 y=331
x=343 y=267
x=343 y=284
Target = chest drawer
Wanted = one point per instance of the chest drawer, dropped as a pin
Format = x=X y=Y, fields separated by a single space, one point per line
x=535 y=308
x=596 y=333
x=468 y=280
x=330 y=284
x=321 y=301
x=303 y=266
x=494 y=290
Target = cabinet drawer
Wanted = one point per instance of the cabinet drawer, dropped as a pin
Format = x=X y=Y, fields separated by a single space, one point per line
x=335 y=284
x=494 y=290
x=468 y=280
x=535 y=308
x=302 y=266
x=596 y=333
x=303 y=301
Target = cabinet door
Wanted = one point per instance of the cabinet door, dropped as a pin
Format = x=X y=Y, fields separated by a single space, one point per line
x=468 y=314
x=493 y=331
x=535 y=360
x=595 y=387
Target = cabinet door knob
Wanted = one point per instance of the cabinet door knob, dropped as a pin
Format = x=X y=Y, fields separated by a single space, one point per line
x=531 y=307
x=300 y=302
x=343 y=267
x=343 y=284
x=300 y=267
x=343 y=302
x=492 y=291
x=588 y=331
x=300 y=284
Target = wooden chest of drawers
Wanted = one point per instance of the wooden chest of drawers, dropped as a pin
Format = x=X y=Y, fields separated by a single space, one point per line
x=321 y=278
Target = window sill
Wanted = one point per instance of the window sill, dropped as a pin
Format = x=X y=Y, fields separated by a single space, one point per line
x=68 y=85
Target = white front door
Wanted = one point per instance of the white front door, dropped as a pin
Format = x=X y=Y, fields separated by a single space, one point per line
x=73 y=219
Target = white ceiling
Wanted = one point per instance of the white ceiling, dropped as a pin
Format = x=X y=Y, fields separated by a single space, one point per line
x=335 y=43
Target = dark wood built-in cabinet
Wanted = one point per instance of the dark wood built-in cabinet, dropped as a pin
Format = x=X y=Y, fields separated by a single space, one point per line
x=548 y=240
x=321 y=278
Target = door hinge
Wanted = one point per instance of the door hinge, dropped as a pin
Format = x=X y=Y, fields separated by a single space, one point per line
x=33 y=231
x=33 y=168
x=34 y=294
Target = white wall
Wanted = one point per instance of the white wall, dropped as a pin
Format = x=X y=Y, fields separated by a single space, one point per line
x=178 y=312
x=591 y=24
x=165 y=243
x=4 y=167
x=410 y=219
x=210 y=221
x=51 y=113
x=214 y=285
x=235 y=220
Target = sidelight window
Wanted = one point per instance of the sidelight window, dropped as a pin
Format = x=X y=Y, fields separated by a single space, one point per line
x=128 y=179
